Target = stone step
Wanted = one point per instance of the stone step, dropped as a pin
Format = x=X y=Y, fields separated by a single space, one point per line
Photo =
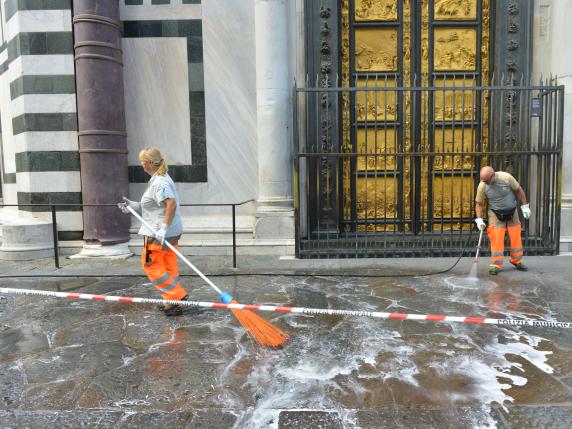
x=25 y=238
x=214 y=229
x=204 y=247
x=201 y=235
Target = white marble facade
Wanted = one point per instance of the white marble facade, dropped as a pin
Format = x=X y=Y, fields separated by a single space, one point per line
x=157 y=102
x=230 y=103
x=552 y=57
x=157 y=97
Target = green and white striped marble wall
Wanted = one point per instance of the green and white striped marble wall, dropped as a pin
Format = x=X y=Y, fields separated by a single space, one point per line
x=159 y=2
x=165 y=102
x=164 y=85
x=190 y=89
x=38 y=110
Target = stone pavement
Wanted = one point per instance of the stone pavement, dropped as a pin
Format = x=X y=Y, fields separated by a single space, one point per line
x=272 y=264
x=100 y=364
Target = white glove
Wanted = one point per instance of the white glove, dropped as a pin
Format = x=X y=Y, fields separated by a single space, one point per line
x=525 y=211
x=128 y=203
x=480 y=223
x=160 y=235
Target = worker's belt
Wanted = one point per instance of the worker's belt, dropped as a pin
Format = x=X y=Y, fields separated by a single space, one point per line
x=150 y=244
x=504 y=215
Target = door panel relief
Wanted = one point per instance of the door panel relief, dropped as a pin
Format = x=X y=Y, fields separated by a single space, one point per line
x=399 y=127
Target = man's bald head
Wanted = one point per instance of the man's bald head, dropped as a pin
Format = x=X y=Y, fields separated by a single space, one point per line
x=487 y=172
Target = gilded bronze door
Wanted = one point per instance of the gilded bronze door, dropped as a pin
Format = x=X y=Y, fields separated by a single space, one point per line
x=414 y=119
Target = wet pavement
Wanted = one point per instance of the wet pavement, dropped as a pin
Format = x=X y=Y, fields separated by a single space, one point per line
x=68 y=363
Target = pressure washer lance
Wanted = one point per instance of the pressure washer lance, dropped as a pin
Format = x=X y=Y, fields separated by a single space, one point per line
x=296 y=310
x=476 y=260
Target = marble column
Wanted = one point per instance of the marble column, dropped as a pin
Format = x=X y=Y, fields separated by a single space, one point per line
x=274 y=216
x=101 y=125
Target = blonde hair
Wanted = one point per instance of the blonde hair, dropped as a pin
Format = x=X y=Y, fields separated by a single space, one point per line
x=154 y=155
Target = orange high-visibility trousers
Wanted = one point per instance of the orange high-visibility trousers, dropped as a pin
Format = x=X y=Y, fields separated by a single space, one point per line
x=515 y=235
x=496 y=237
x=162 y=269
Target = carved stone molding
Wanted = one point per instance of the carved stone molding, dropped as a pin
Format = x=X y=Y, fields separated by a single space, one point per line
x=512 y=61
x=322 y=63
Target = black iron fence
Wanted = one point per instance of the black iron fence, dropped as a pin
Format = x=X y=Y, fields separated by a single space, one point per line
x=53 y=208
x=391 y=171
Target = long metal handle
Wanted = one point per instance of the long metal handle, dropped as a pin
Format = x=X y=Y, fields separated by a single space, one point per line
x=179 y=254
x=479 y=245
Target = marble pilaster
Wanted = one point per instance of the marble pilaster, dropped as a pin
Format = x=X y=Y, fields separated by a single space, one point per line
x=274 y=217
x=557 y=33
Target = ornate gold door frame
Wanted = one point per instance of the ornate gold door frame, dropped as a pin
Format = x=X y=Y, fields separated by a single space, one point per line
x=416 y=126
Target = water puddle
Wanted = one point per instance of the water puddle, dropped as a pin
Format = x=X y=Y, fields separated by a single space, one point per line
x=367 y=364
x=98 y=356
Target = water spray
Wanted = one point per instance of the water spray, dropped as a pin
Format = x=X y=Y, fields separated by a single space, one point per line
x=473 y=273
x=476 y=260
x=296 y=310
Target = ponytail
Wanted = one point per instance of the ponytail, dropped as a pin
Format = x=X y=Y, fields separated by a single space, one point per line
x=163 y=168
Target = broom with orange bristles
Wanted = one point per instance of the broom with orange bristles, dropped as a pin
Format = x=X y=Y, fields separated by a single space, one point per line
x=264 y=332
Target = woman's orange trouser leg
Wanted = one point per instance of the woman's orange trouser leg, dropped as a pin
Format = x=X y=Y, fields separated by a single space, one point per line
x=172 y=267
x=515 y=234
x=496 y=237
x=162 y=270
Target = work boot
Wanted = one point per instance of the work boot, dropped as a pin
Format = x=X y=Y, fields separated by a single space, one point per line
x=173 y=309
x=520 y=266
x=494 y=270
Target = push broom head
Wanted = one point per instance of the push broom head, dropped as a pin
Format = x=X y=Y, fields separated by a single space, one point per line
x=264 y=332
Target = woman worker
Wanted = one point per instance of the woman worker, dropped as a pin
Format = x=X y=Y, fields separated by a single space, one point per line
x=160 y=208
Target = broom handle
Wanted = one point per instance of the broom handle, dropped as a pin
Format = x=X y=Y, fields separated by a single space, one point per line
x=179 y=254
x=479 y=245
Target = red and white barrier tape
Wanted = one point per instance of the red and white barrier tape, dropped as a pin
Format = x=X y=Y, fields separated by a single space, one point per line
x=298 y=310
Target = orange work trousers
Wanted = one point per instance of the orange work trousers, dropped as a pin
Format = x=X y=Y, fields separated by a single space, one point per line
x=162 y=269
x=496 y=235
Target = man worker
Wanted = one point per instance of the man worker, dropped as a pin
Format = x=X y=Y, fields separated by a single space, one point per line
x=501 y=190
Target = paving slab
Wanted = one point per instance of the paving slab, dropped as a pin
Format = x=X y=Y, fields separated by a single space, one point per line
x=72 y=363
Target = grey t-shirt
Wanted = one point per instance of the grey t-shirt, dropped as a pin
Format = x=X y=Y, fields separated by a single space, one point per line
x=500 y=195
x=153 y=206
